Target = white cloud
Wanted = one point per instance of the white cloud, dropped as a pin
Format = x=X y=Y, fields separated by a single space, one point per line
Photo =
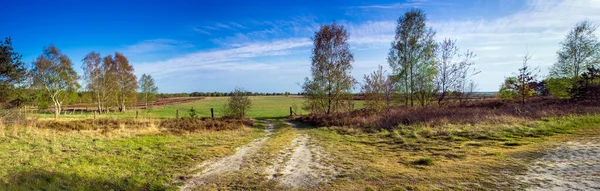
x=223 y=26
x=149 y=46
x=407 y=4
x=201 y=31
x=295 y=27
x=229 y=59
x=237 y=25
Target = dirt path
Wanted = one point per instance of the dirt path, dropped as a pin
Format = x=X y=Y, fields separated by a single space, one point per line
x=304 y=167
x=227 y=164
x=572 y=166
x=300 y=165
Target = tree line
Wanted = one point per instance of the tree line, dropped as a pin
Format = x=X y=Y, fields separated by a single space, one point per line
x=221 y=94
x=425 y=71
x=109 y=81
x=574 y=75
x=421 y=69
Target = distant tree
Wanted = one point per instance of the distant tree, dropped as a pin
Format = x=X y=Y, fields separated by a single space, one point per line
x=94 y=77
x=557 y=87
x=12 y=71
x=541 y=88
x=149 y=90
x=53 y=72
x=377 y=90
x=453 y=70
x=579 y=50
x=329 y=88
x=412 y=57
x=110 y=83
x=465 y=91
x=524 y=83
x=506 y=91
x=126 y=82
x=238 y=104
x=587 y=87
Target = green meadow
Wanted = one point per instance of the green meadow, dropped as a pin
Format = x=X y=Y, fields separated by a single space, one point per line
x=262 y=107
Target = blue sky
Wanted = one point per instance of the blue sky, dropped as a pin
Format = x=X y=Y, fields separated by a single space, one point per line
x=264 y=46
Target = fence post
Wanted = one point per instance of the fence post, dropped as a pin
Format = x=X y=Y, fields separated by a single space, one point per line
x=212 y=114
x=177 y=114
x=94 y=115
x=136 y=114
x=290 y=111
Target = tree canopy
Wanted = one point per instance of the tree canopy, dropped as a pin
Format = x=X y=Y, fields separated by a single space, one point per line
x=54 y=74
x=12 y=70
x=328 y=90
x=412 y=57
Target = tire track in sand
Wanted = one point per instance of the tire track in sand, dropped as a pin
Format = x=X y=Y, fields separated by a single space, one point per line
x=304 y=167
x=226 y=164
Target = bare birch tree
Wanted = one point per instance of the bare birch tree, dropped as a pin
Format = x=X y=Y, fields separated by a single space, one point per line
x=453 y=70
x=377 y=89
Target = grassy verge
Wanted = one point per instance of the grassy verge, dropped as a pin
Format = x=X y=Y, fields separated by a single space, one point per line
x=467 y=157
x=33 y=159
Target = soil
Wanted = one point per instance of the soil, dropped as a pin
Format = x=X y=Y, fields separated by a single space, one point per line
x=570 y=166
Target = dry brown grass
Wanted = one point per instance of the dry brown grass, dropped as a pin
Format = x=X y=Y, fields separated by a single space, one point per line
x=491 y=111
x=108 y=127
x=203 y=124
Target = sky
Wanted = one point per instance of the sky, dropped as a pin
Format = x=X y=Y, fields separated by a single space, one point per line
x=265 y=46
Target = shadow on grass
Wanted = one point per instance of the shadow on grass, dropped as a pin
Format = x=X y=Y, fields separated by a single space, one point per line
x=37 y=179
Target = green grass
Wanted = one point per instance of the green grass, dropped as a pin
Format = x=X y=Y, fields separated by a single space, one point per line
x=262 y=107
x=478 y=156
x=34 y=159
x=467 y=157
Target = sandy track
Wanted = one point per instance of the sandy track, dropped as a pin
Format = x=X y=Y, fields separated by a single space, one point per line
x=572 y=166
x=304 y=169
x=227 y=164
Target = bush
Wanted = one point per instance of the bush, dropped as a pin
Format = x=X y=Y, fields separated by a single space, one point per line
x=238 y=104
x=558 y=87
x=193 y=113
x=424 y=161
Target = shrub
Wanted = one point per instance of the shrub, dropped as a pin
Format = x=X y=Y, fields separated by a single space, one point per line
x=238 y=104
x=424 y=161
x=193 y=113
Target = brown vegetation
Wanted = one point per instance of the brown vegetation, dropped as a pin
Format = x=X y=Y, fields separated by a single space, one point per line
x=491 y=111
x=89 y=124
x=171 y=125
x=202 y=124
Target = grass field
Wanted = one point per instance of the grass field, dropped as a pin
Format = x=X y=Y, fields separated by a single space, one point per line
x=34 y=159
x=474 y=156
x=262 y=107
